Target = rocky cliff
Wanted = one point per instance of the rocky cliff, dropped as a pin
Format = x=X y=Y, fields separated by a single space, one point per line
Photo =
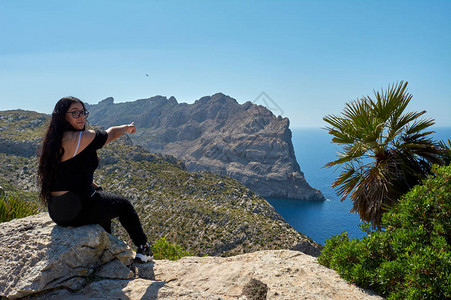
x=217 y=134
x=21 y=132
x=20 y=135
x=205 y=213
x=41 y=260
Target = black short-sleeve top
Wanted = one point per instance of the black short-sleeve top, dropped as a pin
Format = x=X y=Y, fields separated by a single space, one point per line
x=76 y=174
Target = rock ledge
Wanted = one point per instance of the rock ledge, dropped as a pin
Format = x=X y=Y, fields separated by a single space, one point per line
x=41 y=260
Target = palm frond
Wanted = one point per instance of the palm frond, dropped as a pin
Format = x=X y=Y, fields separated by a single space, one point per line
x=343 y=159
x=445 y=151
x=391 y=104
x=335 y=121
x=347 y=180
x=420 y=125
x=403 y=120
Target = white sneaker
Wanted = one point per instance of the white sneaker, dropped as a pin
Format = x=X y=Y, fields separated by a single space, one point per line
x=143 y=254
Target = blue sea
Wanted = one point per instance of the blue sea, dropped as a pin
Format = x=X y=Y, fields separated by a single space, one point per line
x=321 y=220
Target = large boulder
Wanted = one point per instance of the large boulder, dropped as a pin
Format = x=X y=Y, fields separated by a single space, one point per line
x=38 y=256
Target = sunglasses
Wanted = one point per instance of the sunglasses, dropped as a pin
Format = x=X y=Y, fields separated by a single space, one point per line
x=77 y=113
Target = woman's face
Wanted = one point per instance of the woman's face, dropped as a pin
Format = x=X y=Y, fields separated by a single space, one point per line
x=77 y=110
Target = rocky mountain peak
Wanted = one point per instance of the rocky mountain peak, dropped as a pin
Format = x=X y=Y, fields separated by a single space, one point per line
x=172 y=100
x=218 y=134
x=223 y=99
x=217 y=99
x=107 y=101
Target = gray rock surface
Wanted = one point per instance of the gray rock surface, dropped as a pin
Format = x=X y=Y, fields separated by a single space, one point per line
x=39 y=256
x=40 y=260
x=22 y=148
x=217 y=134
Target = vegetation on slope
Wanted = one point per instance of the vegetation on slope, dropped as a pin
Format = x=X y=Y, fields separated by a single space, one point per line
x=18 y=176
x=13 y=207
x=202 y=212
x=22 y=125
x=162 y=249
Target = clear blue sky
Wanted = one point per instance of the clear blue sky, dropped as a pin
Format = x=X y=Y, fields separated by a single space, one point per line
x=310 y=57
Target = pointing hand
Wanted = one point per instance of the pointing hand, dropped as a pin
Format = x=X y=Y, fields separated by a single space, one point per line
x=131 y=127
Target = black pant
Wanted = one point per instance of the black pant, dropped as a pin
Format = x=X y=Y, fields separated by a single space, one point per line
x=73 y=209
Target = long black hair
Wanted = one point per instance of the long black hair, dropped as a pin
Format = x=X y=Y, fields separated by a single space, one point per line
x=52 y=150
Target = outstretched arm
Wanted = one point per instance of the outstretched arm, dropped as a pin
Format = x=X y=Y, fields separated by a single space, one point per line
x=116 y=131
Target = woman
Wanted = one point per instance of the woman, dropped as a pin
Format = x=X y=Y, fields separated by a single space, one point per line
x=67 y=164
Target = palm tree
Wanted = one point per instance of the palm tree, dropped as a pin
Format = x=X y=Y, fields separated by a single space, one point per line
x=385 y=151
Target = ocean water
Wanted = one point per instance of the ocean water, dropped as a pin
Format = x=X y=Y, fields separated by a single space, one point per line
x=321 y=220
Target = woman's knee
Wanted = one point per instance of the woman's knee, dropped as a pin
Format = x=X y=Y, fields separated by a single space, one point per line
x=121 y=203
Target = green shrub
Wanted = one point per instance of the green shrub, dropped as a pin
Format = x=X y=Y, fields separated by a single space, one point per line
x=162 y=249
x=411 y=257
x=12 y=207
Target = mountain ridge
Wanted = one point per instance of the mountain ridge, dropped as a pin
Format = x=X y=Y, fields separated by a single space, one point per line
x=217 y=134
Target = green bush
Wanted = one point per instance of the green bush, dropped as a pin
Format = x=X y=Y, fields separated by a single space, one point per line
x=162 y=249
x=13 y=207
x=411 y=257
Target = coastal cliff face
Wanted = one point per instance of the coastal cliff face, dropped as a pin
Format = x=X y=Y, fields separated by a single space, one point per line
x=216 y=134
x=203 y=212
